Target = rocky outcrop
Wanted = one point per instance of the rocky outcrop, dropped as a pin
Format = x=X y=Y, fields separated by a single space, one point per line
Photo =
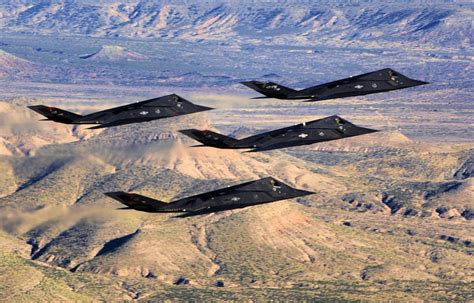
x=181 y=281
x=468 y=214
x=116 y=243
x=391 y=202
x=369 y=272
x=441 y=189
x=466 y=170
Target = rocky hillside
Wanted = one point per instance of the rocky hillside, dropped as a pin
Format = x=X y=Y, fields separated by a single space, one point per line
x=385 y=214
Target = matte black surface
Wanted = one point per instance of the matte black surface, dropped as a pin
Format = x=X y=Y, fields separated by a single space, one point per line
x=251 y=193
x=326 y=129
x=153 y=109
x=383 y=80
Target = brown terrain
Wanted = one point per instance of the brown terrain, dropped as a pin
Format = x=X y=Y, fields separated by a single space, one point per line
x=392 y=217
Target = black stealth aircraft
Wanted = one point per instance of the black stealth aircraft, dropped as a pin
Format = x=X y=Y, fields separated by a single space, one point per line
x=375 y=82
x=148 y=110
x=251 y=193
x=326 y=129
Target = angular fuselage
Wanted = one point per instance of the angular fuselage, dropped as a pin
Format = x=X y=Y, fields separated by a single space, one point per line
x=261 y=191
x=326 y=129
x=153 y=109
x=383 y=80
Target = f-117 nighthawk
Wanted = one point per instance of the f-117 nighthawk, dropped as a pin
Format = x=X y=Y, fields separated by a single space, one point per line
x=251 y=193
x=148 y=110
x=326 y=129
x=375 y=82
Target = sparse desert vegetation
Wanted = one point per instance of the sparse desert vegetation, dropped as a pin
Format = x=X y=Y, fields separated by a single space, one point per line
x=387 y=220
x=392 y=217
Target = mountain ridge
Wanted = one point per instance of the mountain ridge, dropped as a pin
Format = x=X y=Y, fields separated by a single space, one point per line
x=289 y=21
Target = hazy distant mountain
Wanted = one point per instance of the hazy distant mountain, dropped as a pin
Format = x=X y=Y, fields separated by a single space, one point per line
x=114 y=53
x=185 y=44
x=433 y=23
x=12 y=67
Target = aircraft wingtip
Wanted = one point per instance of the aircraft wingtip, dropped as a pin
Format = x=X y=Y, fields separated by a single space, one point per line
x=205 y=108
x=306 y=192
x=187 y=131
x=96 y=126
x=113 y=194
